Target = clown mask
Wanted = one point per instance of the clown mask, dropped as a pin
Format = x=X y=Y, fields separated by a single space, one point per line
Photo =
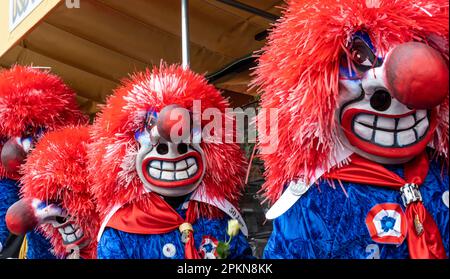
x=168 y=163
x=388 y=105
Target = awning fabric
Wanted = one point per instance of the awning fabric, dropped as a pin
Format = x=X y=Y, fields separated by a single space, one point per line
x=96 y=45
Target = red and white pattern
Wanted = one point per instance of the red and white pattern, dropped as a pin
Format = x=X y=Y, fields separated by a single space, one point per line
x=207 y=249
x=387 y=223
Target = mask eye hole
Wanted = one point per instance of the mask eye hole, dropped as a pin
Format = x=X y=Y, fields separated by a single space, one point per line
x=361 y=55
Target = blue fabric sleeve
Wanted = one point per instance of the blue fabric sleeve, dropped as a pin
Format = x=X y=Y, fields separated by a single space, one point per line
x=9 y=194
x=39 y=247
x=111 y=245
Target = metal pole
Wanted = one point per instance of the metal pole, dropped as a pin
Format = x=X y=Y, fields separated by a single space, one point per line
x=185 y=33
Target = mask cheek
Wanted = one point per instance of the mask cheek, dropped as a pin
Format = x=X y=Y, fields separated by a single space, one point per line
x=349 y=90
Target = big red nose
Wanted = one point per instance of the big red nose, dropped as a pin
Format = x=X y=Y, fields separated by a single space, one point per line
x=417 y=75
x=12 y=155
x=174 y=123
x=20 y=217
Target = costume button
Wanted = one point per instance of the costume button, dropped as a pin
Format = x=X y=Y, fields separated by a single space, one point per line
x=445 y=198
x=169 y=250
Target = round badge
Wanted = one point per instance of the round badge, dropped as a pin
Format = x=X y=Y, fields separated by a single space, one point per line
x=387 y=224
x=169 y=250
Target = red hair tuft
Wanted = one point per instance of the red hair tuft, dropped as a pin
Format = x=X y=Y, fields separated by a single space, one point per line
x=56 y=171
x=32 y=99
x=113 y=149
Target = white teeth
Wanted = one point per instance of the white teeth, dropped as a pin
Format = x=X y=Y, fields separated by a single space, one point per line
x=363 y=131
x=154 y=173
x=422 y=127
x=155 y=164
x=180 y=170
x=384 y=138
x=64 y=237
x=406 y=137
x=192 y=170
x=421 y=114
x=168 y=166
x=190 y=161
x=61 y=230
x=181 y=165
x=68 y=229
x=365 y=119
x=71 y=238
x=385 y=133
x=167 y=175
x=385 y=123
x=181 y=175
x=405 y=122
x=79 y=233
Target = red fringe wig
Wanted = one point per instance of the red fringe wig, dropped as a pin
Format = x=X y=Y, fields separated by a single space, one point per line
x=32 y=99
x=112 y=153
x=56 y=171
x=298 y=72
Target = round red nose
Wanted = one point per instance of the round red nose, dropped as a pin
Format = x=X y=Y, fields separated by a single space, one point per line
x=417 y=75
x=174 y=123
x=12 y=156
x=20 y=217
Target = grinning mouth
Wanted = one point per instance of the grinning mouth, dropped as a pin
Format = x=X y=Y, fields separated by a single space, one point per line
x=70 y=232
x=173 y=171
x=391 y=131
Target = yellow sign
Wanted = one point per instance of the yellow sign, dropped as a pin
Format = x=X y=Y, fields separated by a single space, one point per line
x=19 y=9
x=17 y=17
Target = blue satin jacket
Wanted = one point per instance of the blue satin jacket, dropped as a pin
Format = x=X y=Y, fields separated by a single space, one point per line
x=9 y=194
x=115 y=244
x=326 y=224
x=38 y=246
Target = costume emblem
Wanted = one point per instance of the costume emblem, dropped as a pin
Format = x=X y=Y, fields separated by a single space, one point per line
x=169 y=250
x=208 y=247
x=386 y=223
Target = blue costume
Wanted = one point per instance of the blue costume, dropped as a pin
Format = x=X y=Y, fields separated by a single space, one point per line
x=38 y=247
x=115 y=244
x=324 y=223
x=9 y=194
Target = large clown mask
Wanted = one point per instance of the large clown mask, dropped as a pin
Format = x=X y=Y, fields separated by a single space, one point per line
x=169 y=162
x=388 y=103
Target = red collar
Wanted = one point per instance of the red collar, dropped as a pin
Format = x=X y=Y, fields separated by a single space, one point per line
x=153 y=215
